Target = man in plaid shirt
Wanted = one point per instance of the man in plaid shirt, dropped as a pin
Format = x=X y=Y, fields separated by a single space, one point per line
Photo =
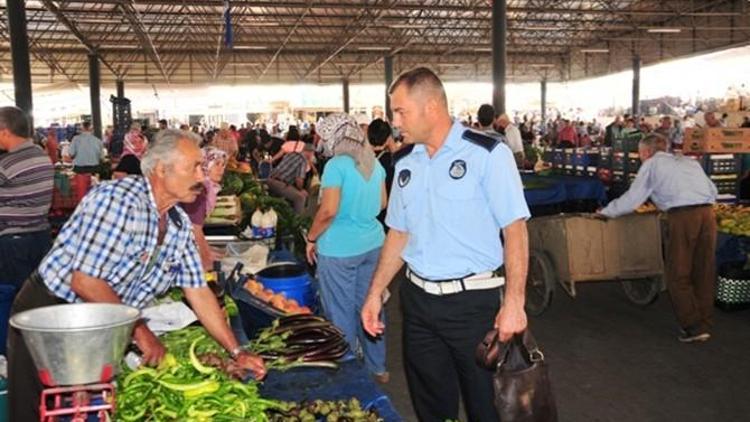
x=127 y=243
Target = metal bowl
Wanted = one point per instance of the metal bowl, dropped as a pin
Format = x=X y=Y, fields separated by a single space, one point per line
x=77 y=344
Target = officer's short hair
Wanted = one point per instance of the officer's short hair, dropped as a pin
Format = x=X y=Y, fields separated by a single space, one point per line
x=420 y=78
x=485 y=114
x=16 y=121
x=378 y=132
x=654 y=142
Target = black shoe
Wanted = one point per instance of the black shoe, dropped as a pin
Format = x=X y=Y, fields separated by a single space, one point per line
x=691 y=336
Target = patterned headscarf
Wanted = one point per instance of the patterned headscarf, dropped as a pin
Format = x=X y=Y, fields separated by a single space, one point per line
x=343 y=136
x=211 y=157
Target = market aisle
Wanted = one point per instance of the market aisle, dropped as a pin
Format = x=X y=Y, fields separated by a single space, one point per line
x=613 y=361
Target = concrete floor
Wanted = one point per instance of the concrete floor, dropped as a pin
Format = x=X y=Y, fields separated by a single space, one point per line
x=613 y=361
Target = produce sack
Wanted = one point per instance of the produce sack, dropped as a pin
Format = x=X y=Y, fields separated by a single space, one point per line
x=523 y=392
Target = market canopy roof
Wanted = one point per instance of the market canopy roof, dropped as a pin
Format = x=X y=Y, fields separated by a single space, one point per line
x=289 y=41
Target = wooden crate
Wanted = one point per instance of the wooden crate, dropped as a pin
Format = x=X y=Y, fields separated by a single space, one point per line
x=584 y=248
x=717 y=140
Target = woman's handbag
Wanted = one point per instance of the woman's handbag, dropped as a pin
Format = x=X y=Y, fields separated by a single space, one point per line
x=522 y=388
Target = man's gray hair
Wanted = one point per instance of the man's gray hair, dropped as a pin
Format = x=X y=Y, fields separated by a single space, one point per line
x=164 y=148
x=654 y=142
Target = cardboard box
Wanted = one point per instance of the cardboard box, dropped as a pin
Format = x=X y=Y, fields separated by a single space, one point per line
x=584 y=248
x=717 y=140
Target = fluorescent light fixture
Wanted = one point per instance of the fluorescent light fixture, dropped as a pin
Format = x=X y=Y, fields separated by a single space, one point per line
x=664 y=30
x=483 y=49
x=261 y=23
x=544 y=65
x=374 y=48
x=250 y=47
x=595 y=50
x=407 y=26
x=535 y=28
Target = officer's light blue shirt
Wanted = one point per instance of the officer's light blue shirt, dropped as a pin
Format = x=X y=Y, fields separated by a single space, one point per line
x=670 y=180
x=453 y=206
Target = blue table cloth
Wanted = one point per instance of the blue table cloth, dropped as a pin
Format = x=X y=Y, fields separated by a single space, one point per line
x=558 y=189
x=547 y=193
x=349 y=380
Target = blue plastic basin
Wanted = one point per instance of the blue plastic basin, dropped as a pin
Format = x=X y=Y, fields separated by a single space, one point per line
x=290 y=279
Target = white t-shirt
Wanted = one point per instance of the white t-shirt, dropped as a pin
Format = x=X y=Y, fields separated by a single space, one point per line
x=513 y=138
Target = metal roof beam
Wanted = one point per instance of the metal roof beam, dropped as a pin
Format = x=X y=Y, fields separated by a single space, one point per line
x=50 y=5
x=133 y=16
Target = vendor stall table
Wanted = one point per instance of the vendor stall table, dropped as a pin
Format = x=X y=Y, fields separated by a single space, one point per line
x=547 y=195
x=350 y=380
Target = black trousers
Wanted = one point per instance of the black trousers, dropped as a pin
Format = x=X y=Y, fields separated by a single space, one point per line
x=24 y=387
x=20 y=255
x=441 y=334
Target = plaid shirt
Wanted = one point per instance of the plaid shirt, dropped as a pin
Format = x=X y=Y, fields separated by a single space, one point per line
x=113 y=236
x=293 y=165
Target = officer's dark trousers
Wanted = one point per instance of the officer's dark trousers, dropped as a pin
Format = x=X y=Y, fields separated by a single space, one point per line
x=440 y=336
x=24 y=387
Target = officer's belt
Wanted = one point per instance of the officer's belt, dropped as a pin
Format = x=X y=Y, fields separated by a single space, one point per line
x=481 y=281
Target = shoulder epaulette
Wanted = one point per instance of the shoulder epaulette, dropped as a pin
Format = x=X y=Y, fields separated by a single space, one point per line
x=402 y=152
x=487 y=142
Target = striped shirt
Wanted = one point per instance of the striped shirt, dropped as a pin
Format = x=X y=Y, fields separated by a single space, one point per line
x=113 y=235
x=26 y=180
x=292 y=166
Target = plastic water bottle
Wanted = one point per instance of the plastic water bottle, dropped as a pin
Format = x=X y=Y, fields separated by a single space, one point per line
x=269 y=221
x=256 y=222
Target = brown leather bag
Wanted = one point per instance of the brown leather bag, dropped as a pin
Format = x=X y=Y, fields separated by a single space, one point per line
x=523 y=392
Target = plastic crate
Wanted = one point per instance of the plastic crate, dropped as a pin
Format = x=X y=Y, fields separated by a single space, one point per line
x=721 y=164
x=733 y=287
x=725 y=184
x=618 y=161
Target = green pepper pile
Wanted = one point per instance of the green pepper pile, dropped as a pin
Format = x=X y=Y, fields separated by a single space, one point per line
x=181 y=388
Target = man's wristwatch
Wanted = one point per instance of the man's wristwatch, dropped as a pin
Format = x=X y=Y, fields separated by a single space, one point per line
x=234 y=353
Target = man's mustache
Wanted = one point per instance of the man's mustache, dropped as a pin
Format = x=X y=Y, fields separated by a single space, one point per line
x=198 y=187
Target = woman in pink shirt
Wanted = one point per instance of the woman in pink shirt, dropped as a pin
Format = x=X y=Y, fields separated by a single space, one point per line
x=213 y=164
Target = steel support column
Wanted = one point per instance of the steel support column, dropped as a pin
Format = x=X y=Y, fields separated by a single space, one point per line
x=636 y=84
x=19 y=48
x=120 y=88
x=94 y=92
x=345 y=85
x=388 y=65
x=499 y=24
x=544 y=104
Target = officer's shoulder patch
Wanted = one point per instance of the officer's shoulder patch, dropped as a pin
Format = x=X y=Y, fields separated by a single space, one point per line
x=485 y=141
x=402 y=152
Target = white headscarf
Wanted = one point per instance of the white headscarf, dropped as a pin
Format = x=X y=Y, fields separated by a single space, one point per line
x=342 y=136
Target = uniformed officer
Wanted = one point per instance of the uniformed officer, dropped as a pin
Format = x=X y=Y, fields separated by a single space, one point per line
x=454 y=190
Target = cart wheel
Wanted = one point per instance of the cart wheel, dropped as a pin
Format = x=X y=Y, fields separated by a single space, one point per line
x=540 y=283
x=644 y=291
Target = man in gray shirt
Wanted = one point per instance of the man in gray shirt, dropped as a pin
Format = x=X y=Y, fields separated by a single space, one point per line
x=86 y=151
x=679 y=187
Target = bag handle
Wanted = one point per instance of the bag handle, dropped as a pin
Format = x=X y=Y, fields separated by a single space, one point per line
x=529 y=344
